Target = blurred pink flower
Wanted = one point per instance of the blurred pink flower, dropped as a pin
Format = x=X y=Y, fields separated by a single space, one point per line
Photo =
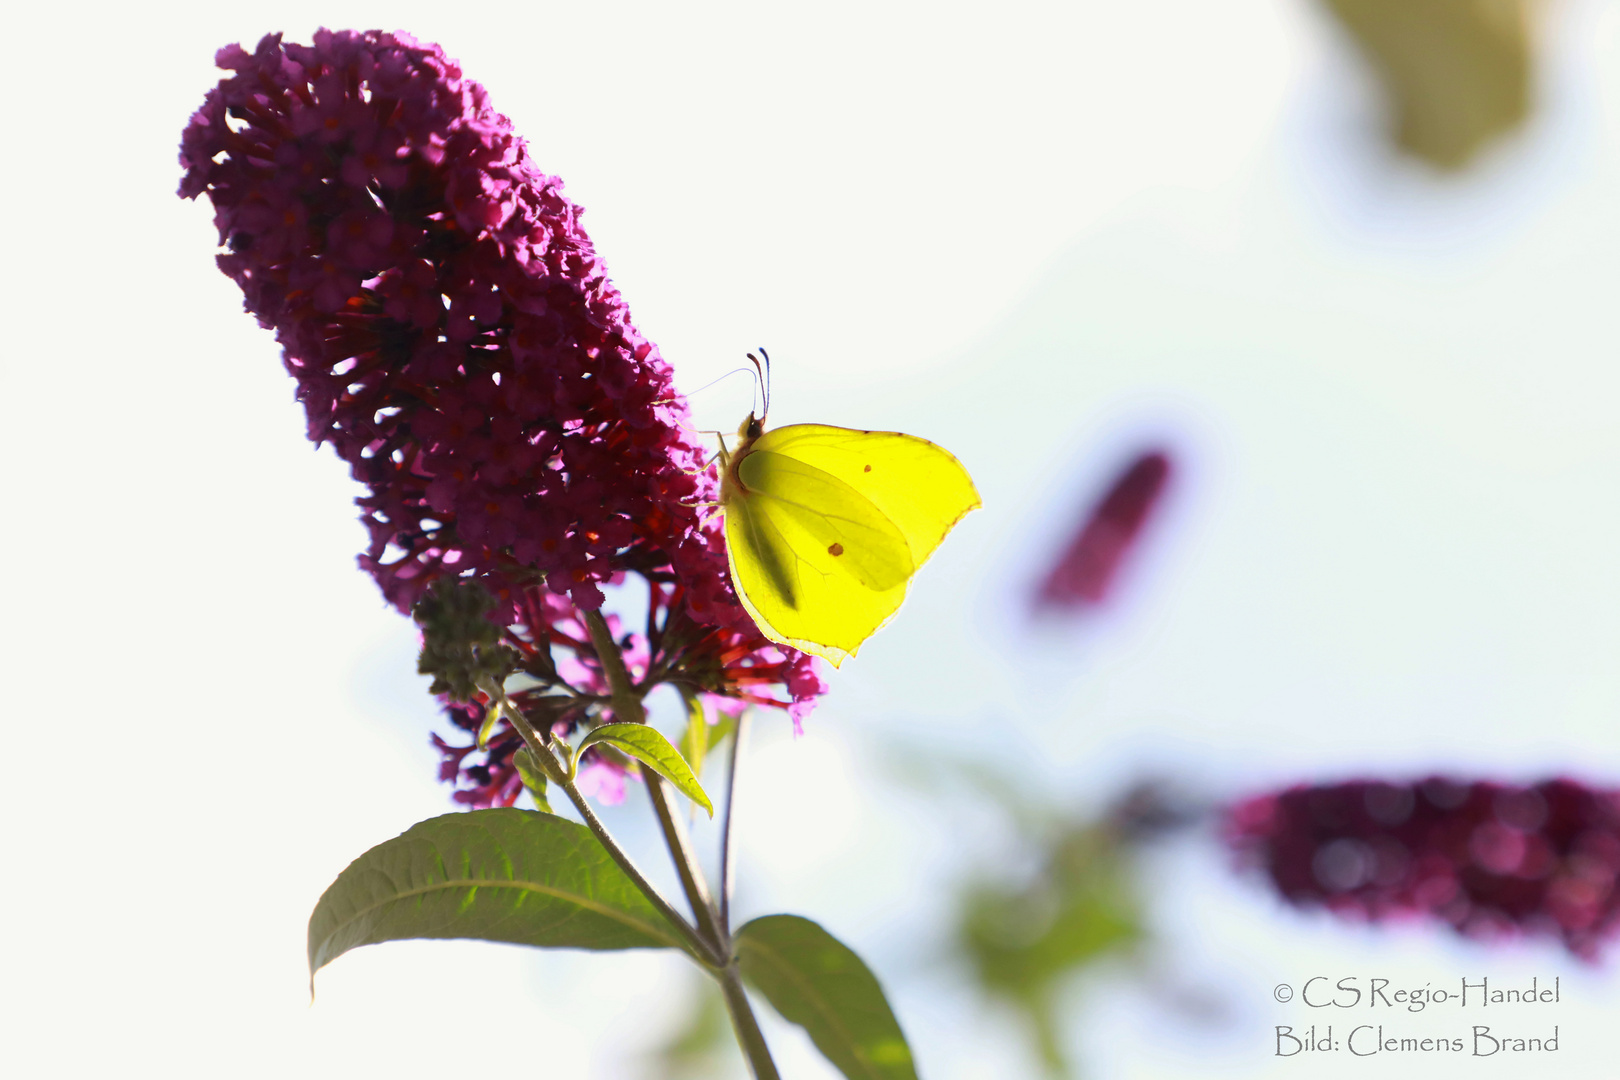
x=1488 y=859
x=1084 y=575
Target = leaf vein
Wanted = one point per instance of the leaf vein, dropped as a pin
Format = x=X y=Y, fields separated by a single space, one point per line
x=816 y=1001
x=528 y=886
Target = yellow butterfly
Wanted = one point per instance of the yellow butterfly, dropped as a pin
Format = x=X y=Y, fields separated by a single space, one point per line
x=825 y=526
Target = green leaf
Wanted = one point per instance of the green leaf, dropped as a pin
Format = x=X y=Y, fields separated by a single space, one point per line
x=725 y=725
x=492 y=713
x=815 y=981
x=533 y=778
x=701 y=737
x=695 y=743
x=646 y=745
x=494 y=875
x=1024 y=942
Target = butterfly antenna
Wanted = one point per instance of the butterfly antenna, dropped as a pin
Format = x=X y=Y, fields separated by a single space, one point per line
x=764 y=386
x=699 y=390
x=767 y=357
x=764 y=380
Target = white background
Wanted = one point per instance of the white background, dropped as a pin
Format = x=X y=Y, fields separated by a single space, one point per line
x=1036 y=233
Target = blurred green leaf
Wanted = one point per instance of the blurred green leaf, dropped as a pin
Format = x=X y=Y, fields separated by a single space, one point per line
x=815 y=981
x=701 y=1048
x=492 y=714
x=718 y=731
x=701 y=737
x=695 y=740
x=533 y=778
x=1025 y=942
x=649 y=747
x=495 y=875
x=1458 y=72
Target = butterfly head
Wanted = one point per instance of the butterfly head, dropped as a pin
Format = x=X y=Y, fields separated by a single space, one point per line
x=747 y=433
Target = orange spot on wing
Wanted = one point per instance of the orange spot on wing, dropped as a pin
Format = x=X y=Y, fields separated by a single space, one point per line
x=835 y=549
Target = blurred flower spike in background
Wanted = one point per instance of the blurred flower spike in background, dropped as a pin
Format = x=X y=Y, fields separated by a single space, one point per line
x=1492 y=860
x=1086 y=572
x=455 y=338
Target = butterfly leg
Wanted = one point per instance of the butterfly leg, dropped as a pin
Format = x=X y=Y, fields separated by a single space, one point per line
x=705 y=467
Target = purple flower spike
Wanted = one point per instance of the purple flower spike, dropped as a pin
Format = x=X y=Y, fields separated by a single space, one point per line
x=451 y=329
x=455 y=338
x=1085 y=574
x=1491 y=860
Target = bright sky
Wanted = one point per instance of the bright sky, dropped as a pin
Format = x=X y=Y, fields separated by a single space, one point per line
x=1035 y=233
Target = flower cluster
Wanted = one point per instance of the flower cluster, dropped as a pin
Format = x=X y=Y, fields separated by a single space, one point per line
x=726 y=670
x=455 y=338
x=1085 y=573
x=1489 y=859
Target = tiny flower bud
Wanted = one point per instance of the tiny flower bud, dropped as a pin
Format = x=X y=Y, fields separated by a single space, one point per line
x=461 y=648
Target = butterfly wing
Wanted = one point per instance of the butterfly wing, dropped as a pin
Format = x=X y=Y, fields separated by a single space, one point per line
x=831 y=524
x=816 y=564
x=919 y=486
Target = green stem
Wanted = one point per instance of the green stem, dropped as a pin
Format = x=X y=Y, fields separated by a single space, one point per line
x=749 y=1037
x=627 y=707
x=705 y=950
x=728 y=863
x=686 y=863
